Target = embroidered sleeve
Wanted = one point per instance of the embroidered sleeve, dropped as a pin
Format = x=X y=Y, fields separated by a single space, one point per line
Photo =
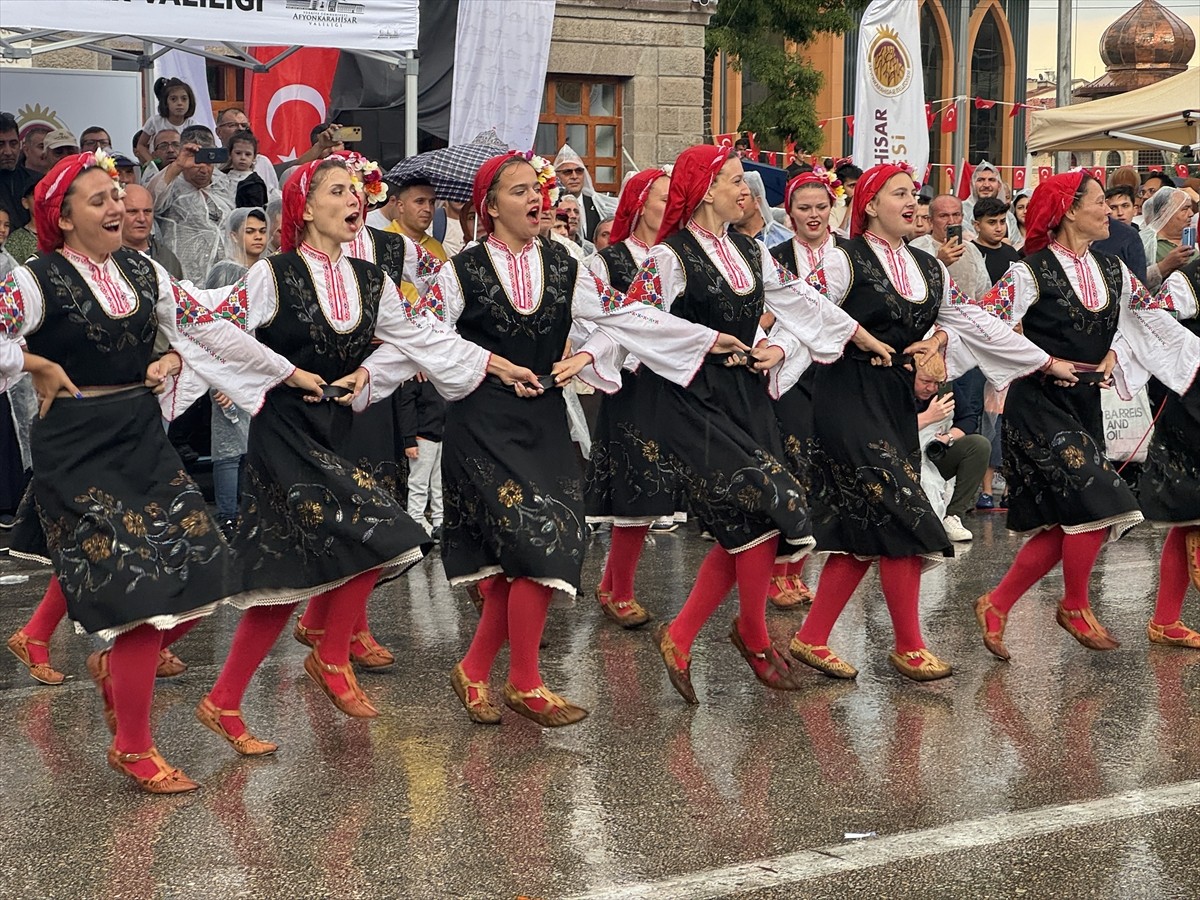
x=12 y=309
x=955 y=296
x=782 y=275
x=1178 y=296
x=188 y=310
x=646 y=287
x=1000 y=299
x=817 y=280
x=234 y=308
x=430 y=302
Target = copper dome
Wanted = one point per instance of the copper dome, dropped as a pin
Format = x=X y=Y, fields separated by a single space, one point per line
x=1144 y=46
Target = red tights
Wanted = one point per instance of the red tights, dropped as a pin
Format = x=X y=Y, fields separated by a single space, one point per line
x=514 y=611
x=901 y=582
x=789 y=568
x=1172 y=577
x=132 y=663
x=1078 y=553
x=45 y=619
x=338 y=611
x=622 y=563
x=751 y=570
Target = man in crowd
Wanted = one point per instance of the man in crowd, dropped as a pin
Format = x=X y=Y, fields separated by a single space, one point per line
x=577 y=183
x=962 y=258
x=15 y=179
x=412 y=204
x=137 y=229
x=128 y=171
x=94 y=138
x=191 y=200
x=848 y=174
x=986 y=182
x=757 y=221
x=166 y=151
x=33 y=142
x=921 y=221
x=991 y=228
x=1123 y=240
x=601 y=236
x=962 y=456
x=59 y=145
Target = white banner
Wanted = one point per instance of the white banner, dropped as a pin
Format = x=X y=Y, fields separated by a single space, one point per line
x=73 y=99
x=361 y=25
x=889 y=107
x=500 y=70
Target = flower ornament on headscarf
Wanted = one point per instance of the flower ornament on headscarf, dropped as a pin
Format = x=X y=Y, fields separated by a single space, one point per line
x=1049 y=203
x=365 y=175
x=547 y=179
x=869 y=185
x=295 y=197
x=50 y=192
x=819 y=176
x=634 y=195
x=693 y=174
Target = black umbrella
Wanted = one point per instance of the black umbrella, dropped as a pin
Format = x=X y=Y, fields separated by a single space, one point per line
x=451 y=170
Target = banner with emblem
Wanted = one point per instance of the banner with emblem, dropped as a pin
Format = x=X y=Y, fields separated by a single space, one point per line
x=889 y=110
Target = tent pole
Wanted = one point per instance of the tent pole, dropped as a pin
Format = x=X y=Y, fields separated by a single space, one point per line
x=1062 y=87
x=411 y=71
x=146 y=65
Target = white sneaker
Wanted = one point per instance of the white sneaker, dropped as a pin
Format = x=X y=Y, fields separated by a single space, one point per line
x=954 y=529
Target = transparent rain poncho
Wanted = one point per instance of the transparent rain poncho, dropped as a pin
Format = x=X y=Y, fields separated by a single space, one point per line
x=189 y=222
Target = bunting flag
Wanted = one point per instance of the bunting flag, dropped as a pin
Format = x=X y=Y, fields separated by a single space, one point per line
x=1181 y=170
x=1016 y=108
x=789 y=153
x=930 y=117
x=1155 y=168
x=771 y=157
x=1100 y=174
x=822 y=123
x=980 y=103
x=1018 y=178
x=850 y=125
x=1044 y=172
x=964 y=180
x=949 y=174
x=725 y=140
x=950 y=118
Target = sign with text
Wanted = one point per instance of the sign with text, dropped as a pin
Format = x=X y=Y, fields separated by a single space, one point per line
x=889 y=111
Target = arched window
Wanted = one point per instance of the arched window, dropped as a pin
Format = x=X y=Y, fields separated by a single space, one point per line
x=988 y=74
x=1113 y=159
x=933 y=65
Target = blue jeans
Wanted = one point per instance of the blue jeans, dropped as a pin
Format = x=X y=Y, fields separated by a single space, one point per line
x=225 y=486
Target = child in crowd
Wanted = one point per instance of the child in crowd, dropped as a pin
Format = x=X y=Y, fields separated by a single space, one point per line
x=176 y=110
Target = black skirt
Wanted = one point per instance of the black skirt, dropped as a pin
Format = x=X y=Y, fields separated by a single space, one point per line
x=723 y=443
x=311 y=520
x=374 y=444
x=1054 y=461
x=126 y=529
x=866 y=464
x=512 y=489
x=627 y=475
x=1169 y=487
x=794 y=413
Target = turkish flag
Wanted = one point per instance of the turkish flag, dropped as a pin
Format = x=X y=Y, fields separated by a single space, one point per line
x=1155 y=168
x=964 y=180
x=930 y=117
x=1044 y=172
x=1018 y=178
x=1099 y=173
x=725 y=140
x=1016 y=108
x=822 y=123
x=980 y=103
x=771 y=157
x=1182 y=170
x=850 y=125
x=950 y=118
x=287 y=102
x=949 y=174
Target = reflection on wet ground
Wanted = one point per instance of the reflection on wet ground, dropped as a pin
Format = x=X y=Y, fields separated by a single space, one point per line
x=422 y=804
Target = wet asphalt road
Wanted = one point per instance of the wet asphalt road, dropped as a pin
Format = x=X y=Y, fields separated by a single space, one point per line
x=1063 y=774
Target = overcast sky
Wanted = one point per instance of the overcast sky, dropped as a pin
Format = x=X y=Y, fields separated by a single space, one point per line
x=1091 y=18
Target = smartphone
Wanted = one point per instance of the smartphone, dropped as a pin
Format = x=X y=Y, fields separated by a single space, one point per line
x=1090 y=377
x=348 y=134
x=334 y=392
x=952 y=232
x=213 y=156
x=1189 y=237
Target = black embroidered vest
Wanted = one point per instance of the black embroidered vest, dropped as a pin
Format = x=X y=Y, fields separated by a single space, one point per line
x=708 y=298
x=785 y=254
x=389 y=253
x=535 y=339
x=299 y=329
x=1059 y=323
x=621 y=267
x=94 y=348
x=873 y=300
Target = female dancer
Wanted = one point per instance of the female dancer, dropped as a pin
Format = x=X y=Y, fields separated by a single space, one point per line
x=867 y=498
x=135 y=555
x=1068 y=301
x=372 y=442
x=1169 y=487
x=809 y=200
x=627 y=485
x=313 y=524
x=718 y=432
x=513 y=494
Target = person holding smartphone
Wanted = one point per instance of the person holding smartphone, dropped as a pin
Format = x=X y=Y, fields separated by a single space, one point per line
x=960 y=257
x=192 y=197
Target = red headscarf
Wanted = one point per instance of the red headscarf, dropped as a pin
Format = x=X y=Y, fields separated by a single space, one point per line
x=692 y=176
x=869 y=185
x=50 y=192
x=1049 y=203
x=633 y=201
x=483 y=180
x=802 y=180
x=295 y=196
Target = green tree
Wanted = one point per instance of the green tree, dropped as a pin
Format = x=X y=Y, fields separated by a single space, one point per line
x=752 y=33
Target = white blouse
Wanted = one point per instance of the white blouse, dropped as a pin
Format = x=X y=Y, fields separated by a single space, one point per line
x=420 y=266
x=455 y=366
x=581 y=330
x=619 y=323
x=1151 y=342
x=214 y=350
x=807 y=258
x=974 y=338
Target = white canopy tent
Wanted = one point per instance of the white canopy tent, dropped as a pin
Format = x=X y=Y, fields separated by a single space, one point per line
x=381 y=29
x=1163 y=116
